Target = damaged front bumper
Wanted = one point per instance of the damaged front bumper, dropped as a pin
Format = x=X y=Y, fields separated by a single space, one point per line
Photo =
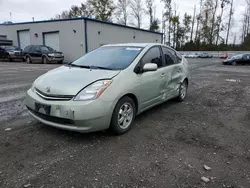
x=80 y=116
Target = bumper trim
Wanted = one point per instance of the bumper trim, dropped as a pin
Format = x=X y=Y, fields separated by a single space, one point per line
x=60 y=126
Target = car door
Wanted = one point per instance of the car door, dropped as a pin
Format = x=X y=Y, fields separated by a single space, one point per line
x=152 y=83
x=174 y=71
x=37 y=54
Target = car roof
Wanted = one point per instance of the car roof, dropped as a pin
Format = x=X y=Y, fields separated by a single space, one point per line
x=135 y=44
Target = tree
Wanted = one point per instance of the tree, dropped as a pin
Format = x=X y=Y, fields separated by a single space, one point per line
x=223 y=4
x=137 y=11
x=167 y=17
x=149 y=11
x=229 y=21
x=186 y=22
x=103 y=9
x=122 y=11
x=155 y=25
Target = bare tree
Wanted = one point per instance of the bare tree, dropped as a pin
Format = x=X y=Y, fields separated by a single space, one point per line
x=122 y=11
x=192 y=30
x=167 y=16
x=149 y=11
x=137 y=10
x=230 y=19
x=214 y=9
x=223 y=4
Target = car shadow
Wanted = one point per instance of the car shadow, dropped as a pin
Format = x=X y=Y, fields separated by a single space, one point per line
x=106 y=134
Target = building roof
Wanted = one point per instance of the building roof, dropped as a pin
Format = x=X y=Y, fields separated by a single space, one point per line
x=83 y=18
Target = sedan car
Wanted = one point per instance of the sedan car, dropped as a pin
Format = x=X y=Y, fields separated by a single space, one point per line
x=108 y=87
x=205 y=55
x=11 y=53
x=237 y=59
x=42 y=54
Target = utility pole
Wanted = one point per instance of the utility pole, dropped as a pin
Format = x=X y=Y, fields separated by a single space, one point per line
x=229 y=21
x=33 y=19
x=234 y=39
x=192 y=31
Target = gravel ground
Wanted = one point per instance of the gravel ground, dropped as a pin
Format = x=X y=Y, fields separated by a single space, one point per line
x=168 y=146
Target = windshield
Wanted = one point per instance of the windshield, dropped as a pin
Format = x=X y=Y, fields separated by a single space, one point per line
x=110 y=57
x=11 y=48
x=47 y=49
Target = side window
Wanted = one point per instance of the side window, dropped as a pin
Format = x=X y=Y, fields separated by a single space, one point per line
x=27 y=49
x=38 y=49
x=153 y=55
x=169 y=57
x=179 y=57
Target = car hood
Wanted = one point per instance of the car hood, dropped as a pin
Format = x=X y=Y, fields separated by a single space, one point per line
x=66 y=80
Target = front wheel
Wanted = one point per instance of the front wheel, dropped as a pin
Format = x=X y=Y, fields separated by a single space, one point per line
x=45 y=60
x=28 y=60
x=123 y=116
x=9 y=58
x=234 y=63
x=182 y=91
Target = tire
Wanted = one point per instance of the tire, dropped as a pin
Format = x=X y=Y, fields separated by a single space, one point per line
x=9 y=58
x=28 y=60
x=182 y=91
x=234 y=63
x=45 y=60
x=122 y=119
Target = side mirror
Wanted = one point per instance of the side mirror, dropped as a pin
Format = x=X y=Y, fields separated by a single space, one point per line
x=150 y=67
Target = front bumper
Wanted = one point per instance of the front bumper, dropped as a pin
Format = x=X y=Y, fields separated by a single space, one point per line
x=79 y=116
x=56 y=59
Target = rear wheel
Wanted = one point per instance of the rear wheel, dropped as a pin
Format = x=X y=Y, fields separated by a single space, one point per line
x=182 y=91
x=123 y=116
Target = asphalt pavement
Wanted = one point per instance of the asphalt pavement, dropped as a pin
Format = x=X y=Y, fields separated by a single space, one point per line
x=167 y=147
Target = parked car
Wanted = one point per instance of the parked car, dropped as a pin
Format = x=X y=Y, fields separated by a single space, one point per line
x=42 y=54
x=237 y=59
x=11 y=53
x=224 y=56
x=193 y=55
x=205 y=55
x=108 y=87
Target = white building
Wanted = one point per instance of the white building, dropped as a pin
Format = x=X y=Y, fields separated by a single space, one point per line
x=74 y=37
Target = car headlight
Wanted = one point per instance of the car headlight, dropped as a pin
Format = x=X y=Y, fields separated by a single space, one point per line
x=93 y=91
x=51 y=55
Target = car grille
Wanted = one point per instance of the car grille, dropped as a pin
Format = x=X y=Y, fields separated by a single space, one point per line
x=53 y=119
x=17 y=53
x=53 y=97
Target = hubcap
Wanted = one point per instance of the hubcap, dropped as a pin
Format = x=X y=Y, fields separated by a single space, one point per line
x=183 y=90
x=125 y=115
x=28 y=60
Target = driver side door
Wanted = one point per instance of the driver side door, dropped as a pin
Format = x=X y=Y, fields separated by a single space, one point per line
x=152 y=83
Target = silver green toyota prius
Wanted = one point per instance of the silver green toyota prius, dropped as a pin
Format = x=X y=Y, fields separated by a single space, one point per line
x=108 y=87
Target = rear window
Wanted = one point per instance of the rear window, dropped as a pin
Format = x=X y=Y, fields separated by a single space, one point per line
x=110 y=57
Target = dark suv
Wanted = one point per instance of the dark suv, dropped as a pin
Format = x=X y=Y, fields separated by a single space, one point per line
x=42 y=54
x=11 y=52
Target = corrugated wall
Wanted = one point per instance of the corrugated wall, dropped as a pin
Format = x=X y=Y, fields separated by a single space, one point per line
x=101 y=34
x=71 y=34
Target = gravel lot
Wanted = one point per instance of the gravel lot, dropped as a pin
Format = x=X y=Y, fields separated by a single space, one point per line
x=168 y=146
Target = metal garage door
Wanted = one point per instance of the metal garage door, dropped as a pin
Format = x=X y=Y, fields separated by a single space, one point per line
x=24 y=38
x=52 y=40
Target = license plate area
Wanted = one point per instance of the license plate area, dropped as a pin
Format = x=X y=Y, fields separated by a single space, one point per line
x=42 y=108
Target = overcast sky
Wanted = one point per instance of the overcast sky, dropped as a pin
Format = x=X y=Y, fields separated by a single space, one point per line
x=24 y=10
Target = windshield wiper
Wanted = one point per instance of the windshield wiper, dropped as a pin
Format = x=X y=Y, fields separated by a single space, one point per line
x=98 y=67
x=80 y=66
